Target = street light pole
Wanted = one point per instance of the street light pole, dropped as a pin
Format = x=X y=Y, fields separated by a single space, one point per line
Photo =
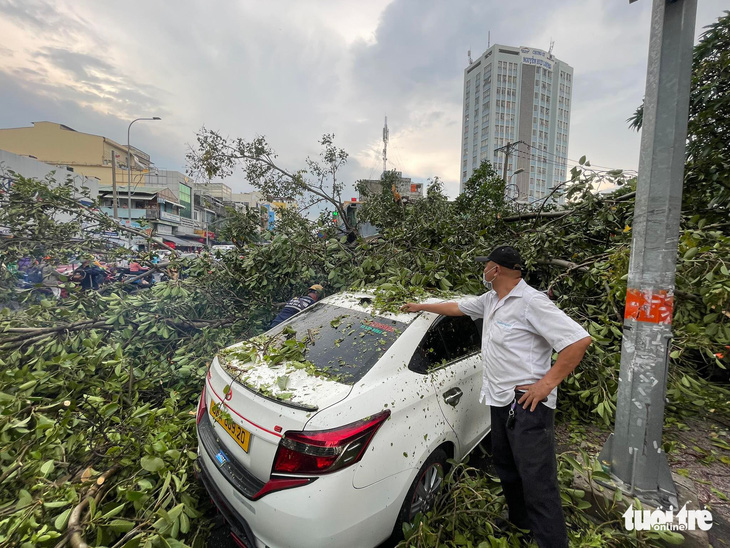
x=129 y=174
x=507 y=182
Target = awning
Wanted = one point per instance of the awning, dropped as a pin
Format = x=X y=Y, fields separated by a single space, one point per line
x=181 y=242
x=166 y=201
x=122 y=194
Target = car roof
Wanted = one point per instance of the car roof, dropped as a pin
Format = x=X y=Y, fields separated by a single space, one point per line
x=362 y=301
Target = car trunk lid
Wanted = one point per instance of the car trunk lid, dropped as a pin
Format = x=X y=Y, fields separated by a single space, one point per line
x=276 y=382
x=250 y=420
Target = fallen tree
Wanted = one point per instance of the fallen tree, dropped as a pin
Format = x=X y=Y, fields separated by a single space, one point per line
x=102 y=382
x=130 y=366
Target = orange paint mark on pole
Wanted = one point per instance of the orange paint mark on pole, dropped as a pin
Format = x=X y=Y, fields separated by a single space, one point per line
x=648 y=305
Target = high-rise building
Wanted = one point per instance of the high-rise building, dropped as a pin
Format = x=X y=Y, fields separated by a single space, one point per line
x=517 y=110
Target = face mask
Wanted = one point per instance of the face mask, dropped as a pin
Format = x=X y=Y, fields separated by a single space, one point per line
x=487 y=284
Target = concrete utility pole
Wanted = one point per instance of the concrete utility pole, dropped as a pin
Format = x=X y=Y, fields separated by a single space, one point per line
x=386 y=136
x=634 y=451
x=129 y=174
x=507 y=150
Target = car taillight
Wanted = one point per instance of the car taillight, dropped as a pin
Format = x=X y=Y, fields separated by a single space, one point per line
x=202 y=406
x=324 y=451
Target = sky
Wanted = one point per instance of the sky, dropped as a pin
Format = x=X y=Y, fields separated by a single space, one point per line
x=293 y=70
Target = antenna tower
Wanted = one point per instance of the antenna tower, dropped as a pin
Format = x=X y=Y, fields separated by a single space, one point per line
x=468 y=54
x=385 y=146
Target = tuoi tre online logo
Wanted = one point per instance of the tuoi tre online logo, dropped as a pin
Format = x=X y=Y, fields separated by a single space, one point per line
x=666 y=520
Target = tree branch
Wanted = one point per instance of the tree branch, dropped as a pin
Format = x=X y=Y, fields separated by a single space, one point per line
x=564 y=264
x=74 y=521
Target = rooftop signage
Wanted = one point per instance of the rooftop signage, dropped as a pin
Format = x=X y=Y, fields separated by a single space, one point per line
x=536 y=57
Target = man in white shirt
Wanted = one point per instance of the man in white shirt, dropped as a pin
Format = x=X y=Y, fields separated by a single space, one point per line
x=521 y=328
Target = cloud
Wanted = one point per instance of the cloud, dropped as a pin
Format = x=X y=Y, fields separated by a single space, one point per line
x=34 y=14
x=297 y=70
x=80 y=66
x=64 y=75
x=45 y=19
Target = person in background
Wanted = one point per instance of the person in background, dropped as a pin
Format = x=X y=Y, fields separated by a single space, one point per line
x=51 y=278
x=89 y=275
x=84 y=275
x=297 y=304
x=34 y=273
x=24 y=263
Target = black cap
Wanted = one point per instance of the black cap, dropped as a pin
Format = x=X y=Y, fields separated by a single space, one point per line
x=504 y=255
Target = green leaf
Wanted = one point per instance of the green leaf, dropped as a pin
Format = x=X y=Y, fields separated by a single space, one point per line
x=184 y=523
x=24 y=499
x=56 y=504
x=145 y=484
x=601 y=476
x=109 y=409
x=152 y=464
x=573 y=463
x=176 y=511
x=690 y=253
x=62 y=520
x=47 y=467
x=671 y=537
x=114 y=511
x=121 y=525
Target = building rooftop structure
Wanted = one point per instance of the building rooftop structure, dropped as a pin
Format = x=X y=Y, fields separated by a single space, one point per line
x=88 y=154
x=405 y=188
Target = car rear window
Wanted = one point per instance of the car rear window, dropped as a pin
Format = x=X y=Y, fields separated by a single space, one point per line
x=343 y=343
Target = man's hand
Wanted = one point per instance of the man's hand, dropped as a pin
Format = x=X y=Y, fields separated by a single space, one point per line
x=445 y=309
x=568 y=359
x=533 y=394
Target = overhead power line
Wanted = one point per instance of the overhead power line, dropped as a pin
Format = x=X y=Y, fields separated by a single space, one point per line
x=575 y=161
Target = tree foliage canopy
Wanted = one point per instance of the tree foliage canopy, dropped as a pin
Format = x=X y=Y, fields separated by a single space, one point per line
x=707 y=171
x=218 y=156
x=107 y=382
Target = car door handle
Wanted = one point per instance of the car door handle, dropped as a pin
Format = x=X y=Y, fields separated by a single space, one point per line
x=453 y=396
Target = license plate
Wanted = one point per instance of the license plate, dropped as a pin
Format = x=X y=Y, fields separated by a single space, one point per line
x=240 y=435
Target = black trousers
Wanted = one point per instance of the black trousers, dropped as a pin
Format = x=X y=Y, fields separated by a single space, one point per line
x=524 y=457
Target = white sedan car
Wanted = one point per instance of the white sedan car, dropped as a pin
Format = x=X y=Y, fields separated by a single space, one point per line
x=334 y=428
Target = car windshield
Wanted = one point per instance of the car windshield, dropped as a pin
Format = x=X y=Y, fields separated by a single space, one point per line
x=343 y=343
